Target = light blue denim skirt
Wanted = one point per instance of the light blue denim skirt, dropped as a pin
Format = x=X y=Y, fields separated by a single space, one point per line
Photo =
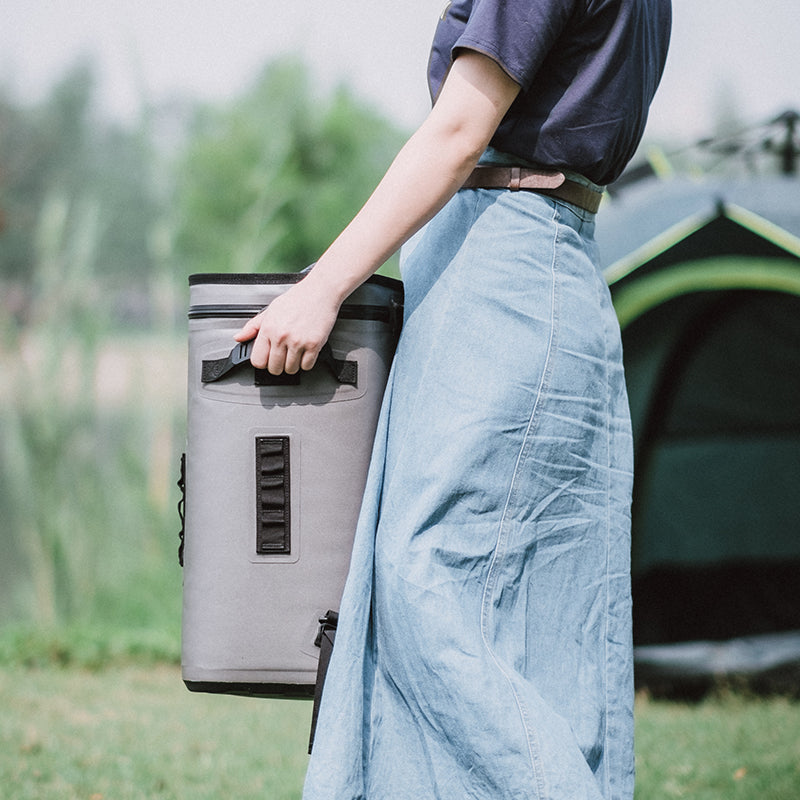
x=484 y=643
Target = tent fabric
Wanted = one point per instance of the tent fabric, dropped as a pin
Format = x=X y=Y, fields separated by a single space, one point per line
x=661 y=213
x=742 y=655
x=713 y=370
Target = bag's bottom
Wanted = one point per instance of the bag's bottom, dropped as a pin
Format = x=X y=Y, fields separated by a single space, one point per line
x=294 y=691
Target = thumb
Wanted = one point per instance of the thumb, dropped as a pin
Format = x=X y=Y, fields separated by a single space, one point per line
x=248 y=331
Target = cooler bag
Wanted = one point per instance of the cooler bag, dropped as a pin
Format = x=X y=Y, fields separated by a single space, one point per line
x=273 y=477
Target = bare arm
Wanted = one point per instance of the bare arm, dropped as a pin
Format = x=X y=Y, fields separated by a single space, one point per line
x=426 y=173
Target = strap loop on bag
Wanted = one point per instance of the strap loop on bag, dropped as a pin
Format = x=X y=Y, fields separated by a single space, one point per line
x=326 y=636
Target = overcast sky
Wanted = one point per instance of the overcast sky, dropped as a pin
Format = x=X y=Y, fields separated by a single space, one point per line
x=745 y=50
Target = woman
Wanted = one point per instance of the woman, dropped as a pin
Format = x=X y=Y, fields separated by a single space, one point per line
x=484 y=645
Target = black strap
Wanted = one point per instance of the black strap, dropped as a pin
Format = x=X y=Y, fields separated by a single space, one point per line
x=214 y=370
x=343 y=371
x=325 y=639
x=182 y=508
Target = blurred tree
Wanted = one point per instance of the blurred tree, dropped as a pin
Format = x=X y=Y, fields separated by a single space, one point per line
x=262 y=184
x=269 y=182
x=60 y=147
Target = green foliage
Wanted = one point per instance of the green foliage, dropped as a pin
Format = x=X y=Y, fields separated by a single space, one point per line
x=268 y=183
x=80 y=517
x=87 y=534
x=93 y=646
x=61 y=148
x=263 y=184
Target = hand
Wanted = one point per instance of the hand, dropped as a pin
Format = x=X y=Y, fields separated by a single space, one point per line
x=291 y=330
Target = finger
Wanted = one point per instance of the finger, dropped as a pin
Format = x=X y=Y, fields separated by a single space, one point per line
x=293 y=360
x=259 y=356
x=276 y=360
x=308 y=360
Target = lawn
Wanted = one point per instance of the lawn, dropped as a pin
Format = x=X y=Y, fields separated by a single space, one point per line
x=137 y=734
x=727 y=747
x=134 y=733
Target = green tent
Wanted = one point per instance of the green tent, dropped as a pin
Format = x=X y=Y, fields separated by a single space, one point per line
x=705 y=277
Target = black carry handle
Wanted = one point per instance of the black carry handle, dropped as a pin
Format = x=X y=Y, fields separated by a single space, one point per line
x=213 y=370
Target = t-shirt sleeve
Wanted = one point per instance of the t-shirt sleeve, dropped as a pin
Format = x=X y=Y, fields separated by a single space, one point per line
x=517 y=34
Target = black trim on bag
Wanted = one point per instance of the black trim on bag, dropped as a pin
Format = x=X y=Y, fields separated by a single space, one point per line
x=390 y=313
x=245 y=278
x=273 y=278
x=268 y=690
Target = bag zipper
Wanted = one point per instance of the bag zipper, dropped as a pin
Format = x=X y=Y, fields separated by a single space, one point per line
x=230 y=311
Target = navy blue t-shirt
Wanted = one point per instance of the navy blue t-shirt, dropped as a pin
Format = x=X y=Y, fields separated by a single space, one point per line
x=588 y=71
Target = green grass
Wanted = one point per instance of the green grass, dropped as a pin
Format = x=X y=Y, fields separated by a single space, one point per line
x=135 y=733
x=727 y=747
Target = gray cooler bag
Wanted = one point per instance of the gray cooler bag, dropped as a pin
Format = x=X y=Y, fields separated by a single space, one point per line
x=273 y=478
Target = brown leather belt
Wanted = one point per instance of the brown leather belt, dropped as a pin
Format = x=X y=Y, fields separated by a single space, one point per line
x=544 y=181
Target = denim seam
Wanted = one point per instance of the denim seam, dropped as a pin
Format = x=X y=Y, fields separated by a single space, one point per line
x=491 y=577
x=606 y=740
